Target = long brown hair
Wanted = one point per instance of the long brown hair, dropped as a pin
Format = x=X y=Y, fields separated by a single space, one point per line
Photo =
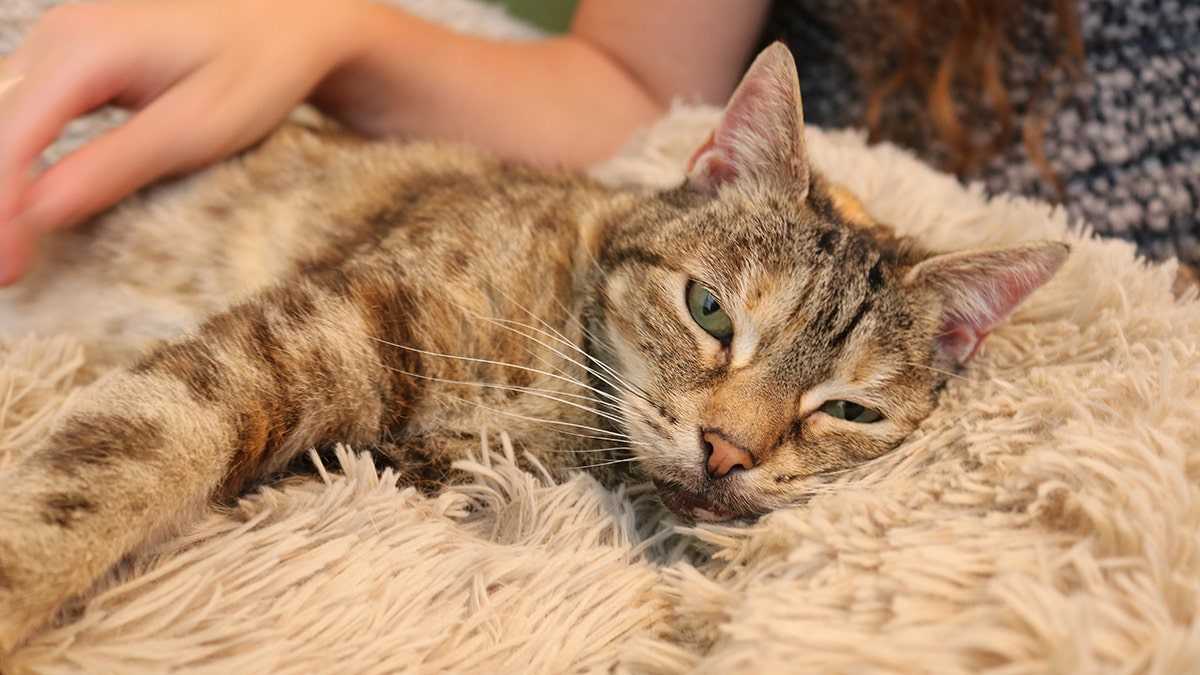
x=969 y=103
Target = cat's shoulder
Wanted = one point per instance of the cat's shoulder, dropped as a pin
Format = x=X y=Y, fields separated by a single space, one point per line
x=311 y=142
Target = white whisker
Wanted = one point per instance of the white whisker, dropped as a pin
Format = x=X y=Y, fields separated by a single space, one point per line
x=503 y=364
x=527 y=390
x=596 y=450
x=606 y=434
x=612 y=436
x=553 y=333
x=622 y=460
x=586 y=331
x=609 y=376
x=947 y=373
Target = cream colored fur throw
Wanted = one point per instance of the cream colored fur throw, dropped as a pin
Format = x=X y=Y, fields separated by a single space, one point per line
x=1046 y=518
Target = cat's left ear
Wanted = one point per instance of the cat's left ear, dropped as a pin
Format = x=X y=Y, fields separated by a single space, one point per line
x=760 y=136
x=979 y=288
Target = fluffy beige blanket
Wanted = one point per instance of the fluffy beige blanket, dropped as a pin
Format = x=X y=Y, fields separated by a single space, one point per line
x=1045 y=518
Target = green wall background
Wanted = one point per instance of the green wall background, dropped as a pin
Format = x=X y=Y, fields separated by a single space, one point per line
x=550 y=15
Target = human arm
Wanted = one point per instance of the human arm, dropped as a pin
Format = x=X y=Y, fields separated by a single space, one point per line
x=568 y=100
x=208 y=78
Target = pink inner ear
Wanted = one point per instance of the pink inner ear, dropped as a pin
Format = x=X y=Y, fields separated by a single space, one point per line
x=708 y=168
x=980 y=289
x=999 y=294
x=760 y=135
x=960 y=339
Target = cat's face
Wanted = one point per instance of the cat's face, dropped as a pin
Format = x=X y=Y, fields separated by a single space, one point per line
x=762 y=337
x=763 y=343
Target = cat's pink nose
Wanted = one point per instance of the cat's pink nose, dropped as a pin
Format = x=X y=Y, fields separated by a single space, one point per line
x=725 y=456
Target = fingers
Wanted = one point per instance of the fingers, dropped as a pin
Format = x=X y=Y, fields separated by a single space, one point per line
x=70 y=63
x=162 y=139
x=203 y=80
x=197 y=121
x=16 y=254
x=38 y=105
x=32 y=115
x=15 y=244
x=9 y=81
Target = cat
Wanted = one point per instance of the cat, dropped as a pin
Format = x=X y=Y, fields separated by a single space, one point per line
x=728 y=339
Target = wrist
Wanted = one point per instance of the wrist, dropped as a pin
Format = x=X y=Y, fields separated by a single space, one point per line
x=372 y=50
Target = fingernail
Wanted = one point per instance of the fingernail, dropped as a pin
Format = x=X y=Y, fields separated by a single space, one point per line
x=6 y=273
x=10 y=82
x=12 y=268
x=15 y=254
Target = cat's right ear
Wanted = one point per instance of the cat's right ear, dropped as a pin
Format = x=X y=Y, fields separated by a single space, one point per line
x=760 y=136
x=977 y=289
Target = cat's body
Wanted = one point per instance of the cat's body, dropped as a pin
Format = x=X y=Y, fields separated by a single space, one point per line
x=735 y=336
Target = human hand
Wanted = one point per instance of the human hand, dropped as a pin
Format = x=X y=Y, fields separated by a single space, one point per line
x=206 y=78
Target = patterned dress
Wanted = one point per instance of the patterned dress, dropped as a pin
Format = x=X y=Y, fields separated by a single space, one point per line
x=1126 y=142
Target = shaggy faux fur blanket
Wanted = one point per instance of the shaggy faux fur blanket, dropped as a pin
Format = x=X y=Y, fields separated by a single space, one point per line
x=1045 y=518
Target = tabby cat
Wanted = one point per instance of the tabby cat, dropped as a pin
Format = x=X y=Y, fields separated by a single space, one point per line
x=734 y=336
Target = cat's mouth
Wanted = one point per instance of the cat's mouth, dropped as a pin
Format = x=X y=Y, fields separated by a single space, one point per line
x=693 y=505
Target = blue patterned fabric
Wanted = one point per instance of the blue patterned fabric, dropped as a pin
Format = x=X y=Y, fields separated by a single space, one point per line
x=1126 y=143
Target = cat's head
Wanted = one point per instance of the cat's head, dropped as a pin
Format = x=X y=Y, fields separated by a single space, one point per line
x=765 y=333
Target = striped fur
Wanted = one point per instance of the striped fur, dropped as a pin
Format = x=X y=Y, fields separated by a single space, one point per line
x=405 y=297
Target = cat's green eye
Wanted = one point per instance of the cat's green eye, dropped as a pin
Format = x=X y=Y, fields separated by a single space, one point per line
x=708 y=313
x=851 y=412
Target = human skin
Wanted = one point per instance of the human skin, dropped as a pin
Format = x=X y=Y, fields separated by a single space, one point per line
x=207 y=78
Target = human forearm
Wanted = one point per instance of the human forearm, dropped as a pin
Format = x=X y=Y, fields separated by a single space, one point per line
x=559 y=101
x=207 y=78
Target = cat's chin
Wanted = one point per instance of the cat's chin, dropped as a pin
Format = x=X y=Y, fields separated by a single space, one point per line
x=694 y=506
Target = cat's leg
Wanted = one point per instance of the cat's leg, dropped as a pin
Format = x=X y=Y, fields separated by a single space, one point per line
x=145 y=449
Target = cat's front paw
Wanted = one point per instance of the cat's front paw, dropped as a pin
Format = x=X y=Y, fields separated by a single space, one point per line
x=24 y=604
x=7 y=666
x=40 y=568
x=17 y=622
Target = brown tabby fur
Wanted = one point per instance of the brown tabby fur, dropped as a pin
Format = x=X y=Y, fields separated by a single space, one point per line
x=411 y=295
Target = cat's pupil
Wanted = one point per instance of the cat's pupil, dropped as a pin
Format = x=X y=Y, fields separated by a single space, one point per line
x=851 y=412
x=708 y=313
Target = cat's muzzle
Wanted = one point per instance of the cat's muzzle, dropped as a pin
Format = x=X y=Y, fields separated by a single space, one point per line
x=693 y=505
